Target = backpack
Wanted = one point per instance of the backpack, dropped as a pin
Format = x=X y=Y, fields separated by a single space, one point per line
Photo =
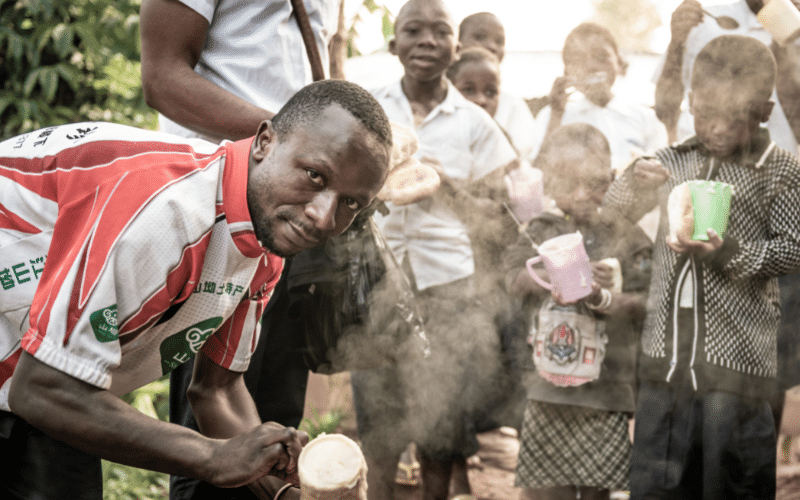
x=569 y=343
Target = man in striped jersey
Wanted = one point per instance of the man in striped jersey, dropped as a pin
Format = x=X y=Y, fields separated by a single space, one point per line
x=124 y=252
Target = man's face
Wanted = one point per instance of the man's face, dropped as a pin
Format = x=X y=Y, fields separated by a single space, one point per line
x=726 y=116
x=309 y=187
x=487 y=33
x=424 y=40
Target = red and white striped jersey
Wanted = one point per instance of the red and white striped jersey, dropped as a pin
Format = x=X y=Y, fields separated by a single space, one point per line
x=123 y=252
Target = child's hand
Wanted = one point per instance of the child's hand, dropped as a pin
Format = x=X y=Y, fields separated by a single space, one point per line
x=688 y=15
x=558 y=94
x=649 y=173
x=684 y=243
x=603 y=275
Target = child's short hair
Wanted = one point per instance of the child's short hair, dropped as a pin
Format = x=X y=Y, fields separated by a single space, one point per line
x=736 y=58
x=571 y=136
x=468 y=55
x=585 y=30
x=477 y=18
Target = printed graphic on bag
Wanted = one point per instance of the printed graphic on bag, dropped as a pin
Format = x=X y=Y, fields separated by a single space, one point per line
x=569 y=344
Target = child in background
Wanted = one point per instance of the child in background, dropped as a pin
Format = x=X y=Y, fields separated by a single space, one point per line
x=432 y=240
x=476 y=74
x=575 y=441
x=708 y=361
x=484 y=29
x=592 y=64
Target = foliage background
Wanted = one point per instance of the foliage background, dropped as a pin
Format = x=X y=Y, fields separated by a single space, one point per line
x=70 y=61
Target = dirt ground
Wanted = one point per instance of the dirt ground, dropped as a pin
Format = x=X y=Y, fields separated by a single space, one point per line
x=493 y=477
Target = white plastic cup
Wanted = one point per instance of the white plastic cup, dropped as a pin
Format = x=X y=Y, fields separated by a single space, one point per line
x=781 y=19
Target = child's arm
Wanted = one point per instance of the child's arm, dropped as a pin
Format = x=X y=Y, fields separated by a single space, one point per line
x=787 y=83
x=669 y=88
x=634 y=193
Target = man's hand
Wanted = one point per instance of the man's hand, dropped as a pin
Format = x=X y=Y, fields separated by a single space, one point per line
x=685 y=17
x=684 y=243
x=649 y=174
x=269 y=449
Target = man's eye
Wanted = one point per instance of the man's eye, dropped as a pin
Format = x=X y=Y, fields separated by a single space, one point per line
x=352 y=204
x=314 y=176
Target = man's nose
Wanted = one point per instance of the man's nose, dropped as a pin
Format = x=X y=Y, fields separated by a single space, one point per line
x=322 y=211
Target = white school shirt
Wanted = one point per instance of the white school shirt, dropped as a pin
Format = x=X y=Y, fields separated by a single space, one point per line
x=123 y=252
x=631 y=129
x=255 y=51
x=779 y=129
x=514 y=115
x=469 y=145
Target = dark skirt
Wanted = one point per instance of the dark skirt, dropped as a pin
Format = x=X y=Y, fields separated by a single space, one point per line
x=573 y=446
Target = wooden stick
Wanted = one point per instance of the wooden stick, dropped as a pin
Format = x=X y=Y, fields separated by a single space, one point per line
x=300 y=13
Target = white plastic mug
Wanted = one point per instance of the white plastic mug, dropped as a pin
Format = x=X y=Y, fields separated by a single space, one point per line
x=781 y=19
x=565 y=260
x=525 y=187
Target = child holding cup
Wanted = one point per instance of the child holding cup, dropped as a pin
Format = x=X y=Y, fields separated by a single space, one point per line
x=575 y=432
x=704 y=428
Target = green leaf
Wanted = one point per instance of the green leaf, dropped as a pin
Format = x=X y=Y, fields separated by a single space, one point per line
x=70 y=74
x=387 y=25
x=30 y=82
x=48 y=79
x=370 y=5
x=5 y=100
x=63 y=36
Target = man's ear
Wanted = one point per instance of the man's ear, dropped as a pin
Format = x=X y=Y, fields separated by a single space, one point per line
x=265 y=136
x=766 y=110
x=393 y=46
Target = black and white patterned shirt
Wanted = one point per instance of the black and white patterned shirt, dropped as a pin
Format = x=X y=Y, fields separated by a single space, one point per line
x=730 y=342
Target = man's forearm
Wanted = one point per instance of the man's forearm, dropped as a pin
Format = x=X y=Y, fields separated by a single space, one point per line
x=98 y=422
x=198 y=104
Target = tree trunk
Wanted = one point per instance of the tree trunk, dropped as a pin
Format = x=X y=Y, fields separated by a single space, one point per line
x=338 y=47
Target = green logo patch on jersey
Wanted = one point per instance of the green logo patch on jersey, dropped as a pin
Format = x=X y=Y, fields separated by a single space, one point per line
x=180 y=347
x=104 y=324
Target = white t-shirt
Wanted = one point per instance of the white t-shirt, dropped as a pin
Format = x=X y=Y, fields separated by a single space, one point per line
x=255 y=51
x=514 y=115
x=631 y=129
x=779 y=129
x=469 y=145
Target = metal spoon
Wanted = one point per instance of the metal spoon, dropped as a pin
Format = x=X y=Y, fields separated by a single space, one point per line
x=725 y=22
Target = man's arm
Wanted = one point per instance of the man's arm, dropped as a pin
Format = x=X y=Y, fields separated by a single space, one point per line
x=98 y=422
x=669 y=88
x=173 y=37
x=223 y=408
x=787 y=83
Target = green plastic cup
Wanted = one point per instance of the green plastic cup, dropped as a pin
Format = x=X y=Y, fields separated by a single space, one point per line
x=711 y=201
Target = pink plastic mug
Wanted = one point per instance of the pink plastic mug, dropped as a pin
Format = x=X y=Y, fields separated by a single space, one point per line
x=564 y=257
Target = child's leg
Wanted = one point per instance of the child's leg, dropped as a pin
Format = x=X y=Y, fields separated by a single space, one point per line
x=435 y=477
x=739 y=447
x=564 y=493
x=459 y=479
